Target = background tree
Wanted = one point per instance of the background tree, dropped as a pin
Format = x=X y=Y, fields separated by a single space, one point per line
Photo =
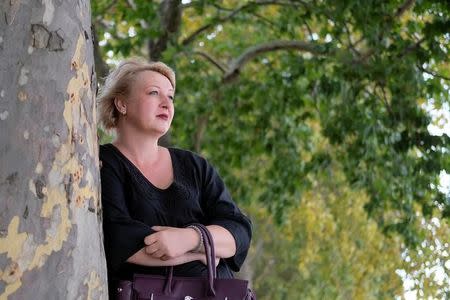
x=50 y=230
x=355 y=67
x=258 y=80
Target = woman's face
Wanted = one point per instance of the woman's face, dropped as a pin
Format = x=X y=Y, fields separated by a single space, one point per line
x=150 y=103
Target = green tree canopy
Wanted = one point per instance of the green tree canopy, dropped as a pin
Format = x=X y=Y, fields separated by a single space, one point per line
x=254 y=75
x=280 y=93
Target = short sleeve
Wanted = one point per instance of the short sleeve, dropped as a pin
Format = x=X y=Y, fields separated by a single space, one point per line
x=124 y=236
x=222 y=210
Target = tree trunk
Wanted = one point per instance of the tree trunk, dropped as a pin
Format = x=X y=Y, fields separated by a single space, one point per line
x=50 y=214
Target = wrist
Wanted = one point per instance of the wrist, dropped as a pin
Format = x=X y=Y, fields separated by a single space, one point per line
x=197 y=246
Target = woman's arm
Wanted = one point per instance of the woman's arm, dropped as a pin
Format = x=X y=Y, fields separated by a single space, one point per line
x=123 y=235
x=231 y=229
x=142 y=258
x=168 y=243
x=224 y=243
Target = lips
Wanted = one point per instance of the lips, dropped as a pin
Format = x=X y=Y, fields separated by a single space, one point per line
x=163 y=116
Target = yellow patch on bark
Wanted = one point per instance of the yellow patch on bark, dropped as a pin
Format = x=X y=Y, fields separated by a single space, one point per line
x=24 y=252
x=93 y=283
x=12 y=245
x=66 y=164
x=13 y=242
x=22 y=96
x=75 y=114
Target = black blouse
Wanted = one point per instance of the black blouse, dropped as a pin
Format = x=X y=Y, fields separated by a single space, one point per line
x=132 y=205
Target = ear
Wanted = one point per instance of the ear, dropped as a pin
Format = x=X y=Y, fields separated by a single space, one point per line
x=120 y=104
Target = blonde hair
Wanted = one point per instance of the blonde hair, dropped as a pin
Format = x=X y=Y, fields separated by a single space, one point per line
x=118 y=83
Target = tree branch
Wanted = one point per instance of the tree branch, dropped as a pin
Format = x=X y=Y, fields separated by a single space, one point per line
x=170 y=13
x=413 y=47
x=202 y=122
x=212 y=60
x=386 y=102
x=405 y=6
x=309 y=30
x=349 y=39
x=264 y=19
x=252 y=52
x=434 y=74
x=101 y=68
x=200 y=30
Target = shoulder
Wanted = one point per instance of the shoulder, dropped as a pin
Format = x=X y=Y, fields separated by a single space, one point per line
x=190 y=160
x=110 y=158
x=193 y=162
x=187 y=155
x=106 y=152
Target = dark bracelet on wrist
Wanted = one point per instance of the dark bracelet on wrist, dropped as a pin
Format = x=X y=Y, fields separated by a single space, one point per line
x=200 y=243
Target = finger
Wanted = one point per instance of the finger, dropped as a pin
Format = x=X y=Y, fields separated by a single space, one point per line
x=165 y=257
x=158 y=254
x=151 y=249
x=150 y=239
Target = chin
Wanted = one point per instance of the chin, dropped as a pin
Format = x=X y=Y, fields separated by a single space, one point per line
x=160 y=131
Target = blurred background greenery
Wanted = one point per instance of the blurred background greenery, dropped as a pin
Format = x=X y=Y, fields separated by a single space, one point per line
x=329 y=122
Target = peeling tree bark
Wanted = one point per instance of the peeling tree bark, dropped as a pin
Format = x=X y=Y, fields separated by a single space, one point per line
x=50 y=215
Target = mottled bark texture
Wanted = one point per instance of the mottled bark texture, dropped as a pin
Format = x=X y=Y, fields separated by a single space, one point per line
x=50 y=213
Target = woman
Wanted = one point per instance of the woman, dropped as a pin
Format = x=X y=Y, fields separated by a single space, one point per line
x=151 y=194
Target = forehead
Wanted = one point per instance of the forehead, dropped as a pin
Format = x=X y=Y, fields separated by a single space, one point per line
x=152 y=78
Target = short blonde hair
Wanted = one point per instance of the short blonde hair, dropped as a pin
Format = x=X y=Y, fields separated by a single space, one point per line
x=118 y=83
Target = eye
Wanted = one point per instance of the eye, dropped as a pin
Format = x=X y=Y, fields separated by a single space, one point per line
x=153 y=93
x=172 y=98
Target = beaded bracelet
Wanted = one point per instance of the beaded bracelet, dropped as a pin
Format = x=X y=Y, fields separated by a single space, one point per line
x=200 y=243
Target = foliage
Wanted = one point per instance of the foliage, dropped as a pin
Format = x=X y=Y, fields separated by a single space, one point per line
x=327 y=250
x=427 y=268
x=275 y=93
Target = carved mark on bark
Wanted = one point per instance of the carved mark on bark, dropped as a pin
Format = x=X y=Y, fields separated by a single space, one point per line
x=56 y=41
x=92 y=205
x=68 y=186
x=25 y=213
x=11 y=179
x=94 y=86
x=11 y=273
x=40 y=36
x=43 y=38
x=39 y=185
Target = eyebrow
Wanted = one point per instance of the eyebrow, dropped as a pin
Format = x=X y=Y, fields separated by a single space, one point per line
x=151 y=85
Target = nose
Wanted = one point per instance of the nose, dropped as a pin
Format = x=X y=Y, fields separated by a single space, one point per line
x=165 y=100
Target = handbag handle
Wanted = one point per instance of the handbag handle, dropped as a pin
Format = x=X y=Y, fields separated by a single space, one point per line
x=212 y=255
x=208 y=243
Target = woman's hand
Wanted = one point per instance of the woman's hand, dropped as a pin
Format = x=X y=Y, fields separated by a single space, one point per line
x=170 y=242
x=142 y=258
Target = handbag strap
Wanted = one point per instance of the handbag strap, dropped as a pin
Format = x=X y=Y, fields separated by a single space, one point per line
x=207 y=236
x=208 y=243
x=210 y=257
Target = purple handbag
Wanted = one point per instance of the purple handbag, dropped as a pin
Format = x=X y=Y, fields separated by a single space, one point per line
x=153 y=287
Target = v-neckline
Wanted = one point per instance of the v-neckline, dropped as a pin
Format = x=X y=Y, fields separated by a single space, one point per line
x=142 y=176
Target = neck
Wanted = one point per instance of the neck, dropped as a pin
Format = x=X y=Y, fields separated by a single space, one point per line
x=142 y=148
